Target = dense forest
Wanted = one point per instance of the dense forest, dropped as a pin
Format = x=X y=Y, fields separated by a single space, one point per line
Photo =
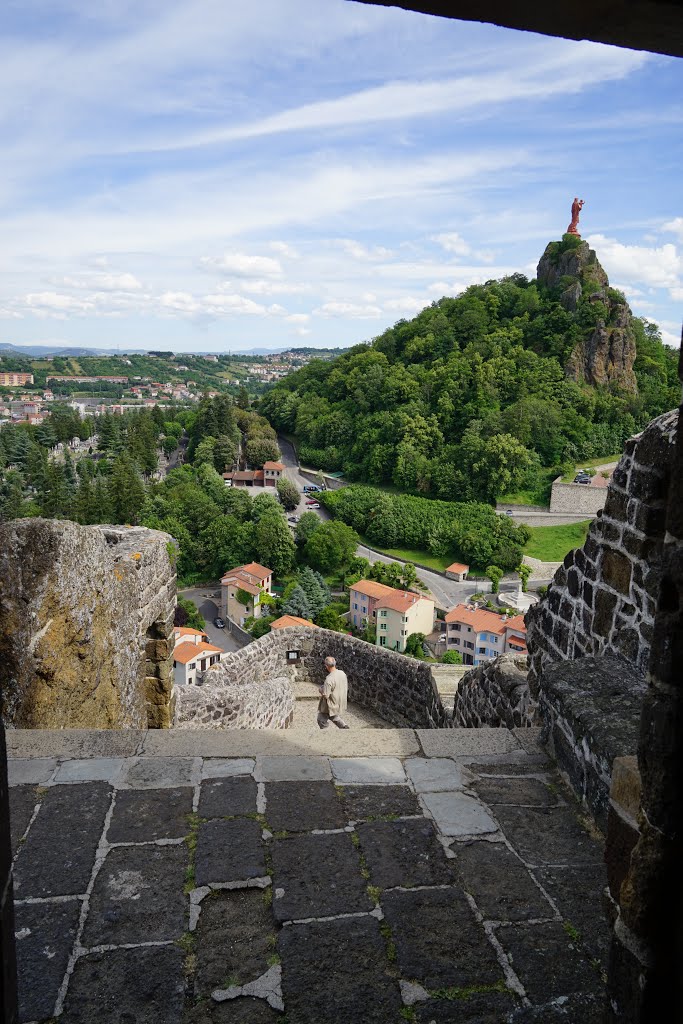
x=470 y=400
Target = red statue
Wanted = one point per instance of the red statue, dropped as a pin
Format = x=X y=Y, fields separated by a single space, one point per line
x=577 y=206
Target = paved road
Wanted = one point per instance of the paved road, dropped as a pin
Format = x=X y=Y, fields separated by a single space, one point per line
x=446 y=593
x=209 y=607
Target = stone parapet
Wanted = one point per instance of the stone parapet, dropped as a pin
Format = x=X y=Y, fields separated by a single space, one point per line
x=576 y=499
x=602 y=599
x=495 y=694
x=590 y=710
x=86 y=630
x=400 y=690
x=267 y=704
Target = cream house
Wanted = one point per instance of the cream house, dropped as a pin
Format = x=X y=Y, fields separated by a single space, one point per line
x=249 y=581
x=400 y=614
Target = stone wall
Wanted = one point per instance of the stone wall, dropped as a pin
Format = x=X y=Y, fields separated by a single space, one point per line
x=237 y=704
x=495 y=694
x=86 y=625
x=577 y=499
x=602 y=599
x=399 y=689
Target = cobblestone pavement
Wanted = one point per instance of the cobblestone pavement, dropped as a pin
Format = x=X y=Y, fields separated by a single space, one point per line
x=305 y=890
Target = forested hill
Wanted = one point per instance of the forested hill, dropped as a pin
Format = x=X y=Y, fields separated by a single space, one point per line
x=480 y=395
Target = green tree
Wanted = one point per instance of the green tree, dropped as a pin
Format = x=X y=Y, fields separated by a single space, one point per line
x=524 y=572
x=331 y=547
x=224 y=453
x=414 y=645
x=306 y=527
x=265 y=504
x=328 y=618
x=187 y=614
x=274 y=543
x=298 y=604
x=204 y=452
x=261 y=626
x=315 y=588
x=262 y=449
x=452 y=658
x=288 y=494
x=495 y=575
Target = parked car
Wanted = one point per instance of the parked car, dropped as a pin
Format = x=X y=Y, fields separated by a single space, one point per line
x=292 y=519
x=311 y=487
x=219 y=623
x=508 y=512
x=312 y=504
x=582 y=478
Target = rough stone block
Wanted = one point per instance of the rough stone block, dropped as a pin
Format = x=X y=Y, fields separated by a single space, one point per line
x=317 y=876
x=22 y=804
x=366 y=802
x=30 y=770
x=146 y=815
x=404 y=853
x=229 y=851
x=616 y=570
x=227 y=797
x=145 y=985
x=368 y=770
x=501 y=885
x=626 y=787
x=548 y=835
x=45 y=934
x=520 y=792
x=157 y=773
x=292 y=769
x=622 y=836
x=302 y=806
x=548 y=961
x=578 y=894
x=435 y=774
x=457 y=814
x=233 y=940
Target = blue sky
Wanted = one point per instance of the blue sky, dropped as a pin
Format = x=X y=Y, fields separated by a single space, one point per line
x=196 y=175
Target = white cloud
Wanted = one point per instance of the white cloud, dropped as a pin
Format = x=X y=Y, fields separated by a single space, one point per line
x=405 y=305
x=261 y=287
x=675 y=226
x=285 y=250
x=298 y=318
x=362 y=252
x=105 y=282
x=659 y=267
x=57 y=305
x=239 y=304
x=242 y=265
x=351 y=310
x=451 y=241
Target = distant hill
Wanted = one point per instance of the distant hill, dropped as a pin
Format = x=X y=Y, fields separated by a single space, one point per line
x=489 y=393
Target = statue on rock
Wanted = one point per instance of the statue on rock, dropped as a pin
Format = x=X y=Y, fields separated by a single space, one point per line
x=577 y=206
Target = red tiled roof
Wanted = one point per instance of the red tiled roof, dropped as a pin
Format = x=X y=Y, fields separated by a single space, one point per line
x=273 y=465
x=517 y=623
x=291 y=620
x=457 y=567
x=480 y=620
x=399 y=601
x=262 y=572
x=188 y=651
x=371 y=589
x=188 y=631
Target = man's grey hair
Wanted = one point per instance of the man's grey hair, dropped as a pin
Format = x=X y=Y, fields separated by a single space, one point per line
x=330 y=661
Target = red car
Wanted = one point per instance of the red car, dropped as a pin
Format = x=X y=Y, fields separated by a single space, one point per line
x=312 y=504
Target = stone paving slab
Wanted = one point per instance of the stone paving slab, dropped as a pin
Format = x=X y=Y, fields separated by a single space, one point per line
x=501 y=885
x=578 y=891
x=367 y=802
x=460 y=742
x=364 y=771
x=234 y=940
x=220 y=798
x=30 y=770
x=138 y=896
x=243 y=1010
x=457 y=814
x=548 y=961
x=336 y=972
x=519 y=791
x=438 y=941
x=303 y=806
x=281 y=742
x=292 y=769
x=405 y=853
x=474 y=1008
x=435 y=774
x=573 y=1009
x=146 y=815
x=548 y=835
x=227 y=767
x=317 y=876
x=45 y=934
x=158 y=772
x=22 y=804
x=74 y=743
x=144 y=985
x=57 y=857
x=89 y=769
x=229 y=851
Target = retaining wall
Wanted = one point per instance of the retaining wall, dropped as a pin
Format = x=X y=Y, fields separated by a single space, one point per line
x=576 y=499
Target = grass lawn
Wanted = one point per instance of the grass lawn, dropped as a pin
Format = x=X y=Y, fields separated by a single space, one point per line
x=551 y=543
x=590 y=464
x=410 y=555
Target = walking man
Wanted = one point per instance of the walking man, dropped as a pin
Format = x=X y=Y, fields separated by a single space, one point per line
x=332 y=696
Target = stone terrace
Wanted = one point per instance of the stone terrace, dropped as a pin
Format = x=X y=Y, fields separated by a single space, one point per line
x=380 y=876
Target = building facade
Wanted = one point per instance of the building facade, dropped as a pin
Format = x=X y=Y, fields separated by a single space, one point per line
x=480 y=635
x=396 y=614
x=13 y=380
x=252 y=580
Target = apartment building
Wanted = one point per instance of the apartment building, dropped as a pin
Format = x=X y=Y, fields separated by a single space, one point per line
x=251 y=579
x=192 y=655
x=13 y=380
x=480 y=635
x=395 y=613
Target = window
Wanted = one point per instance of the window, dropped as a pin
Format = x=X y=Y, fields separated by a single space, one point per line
x=355 y=607
x=403 y=632
x=383 y=641
x=363 y=608
x=481 y=650
x=455 y=626
x=383 y=614
x=383 y=625
x=469 y=645
x=456 y=640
